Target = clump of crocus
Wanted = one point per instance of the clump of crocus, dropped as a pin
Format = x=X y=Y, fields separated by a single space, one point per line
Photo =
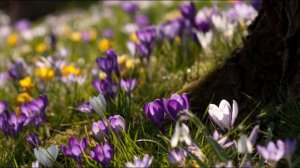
x=33 y=139
x=224 y=115
x=10 y=123
x=46 y=157
x=101 y=128
x=274 y=151
x=35 y=110
x=137 y=162
x=102 y=154
x=75 y=148
x=158 y=109
x=99 y=104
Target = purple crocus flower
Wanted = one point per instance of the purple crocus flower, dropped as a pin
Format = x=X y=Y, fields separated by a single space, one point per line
x=176 y=104
x=177 y=157
x=273 y=152
x=173 y=28
x=156 y=113
x=85 y=36
x=146 y=35
x=10 y=123
x=99 y=129
x=256 y=4
x=222 y=140
x=146 y=45
x=140 y=163
x=142 y=21
x=188 y=11
x=3 y=106
x=75 y=148
x=33 y=139
x=106 y=87
x=23 y=24
x=108 y=33
x=85 y=107
x=35 y=110
x=18 y=71
x=102 y=154
x=109 y=63
x=117 y=123
x=129 y=84
x=130 y=7
x=4 y=76
x=289 y=149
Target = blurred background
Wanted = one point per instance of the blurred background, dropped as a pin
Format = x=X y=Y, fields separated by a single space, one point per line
x=34 y=10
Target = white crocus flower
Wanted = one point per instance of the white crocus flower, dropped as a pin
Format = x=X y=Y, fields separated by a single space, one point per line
x=224 y=115
x=46 y=157
x=99 y=104
x=222 y=25
x=181 y=134
x=245 y=144
x=205 y=39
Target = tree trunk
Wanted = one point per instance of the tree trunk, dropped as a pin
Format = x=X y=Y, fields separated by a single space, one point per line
x=267 y=63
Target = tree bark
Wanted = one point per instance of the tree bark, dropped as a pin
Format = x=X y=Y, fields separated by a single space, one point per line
x=267 y=63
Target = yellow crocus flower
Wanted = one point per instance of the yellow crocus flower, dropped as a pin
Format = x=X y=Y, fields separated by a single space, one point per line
x=75 y=37
x=102 y=75
x=40 y=48
x=122 y=59
x=134 y=38
x=26 y=83
x=45 y=73
x=70 y=69
x=12 y=39
x=104 y=44
x=129 y=63
x=23 y=97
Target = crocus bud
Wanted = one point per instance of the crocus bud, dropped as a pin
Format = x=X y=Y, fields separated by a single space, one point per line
x=32 y=139
x=99 y=104
x=46 y=157
x=155 y=112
